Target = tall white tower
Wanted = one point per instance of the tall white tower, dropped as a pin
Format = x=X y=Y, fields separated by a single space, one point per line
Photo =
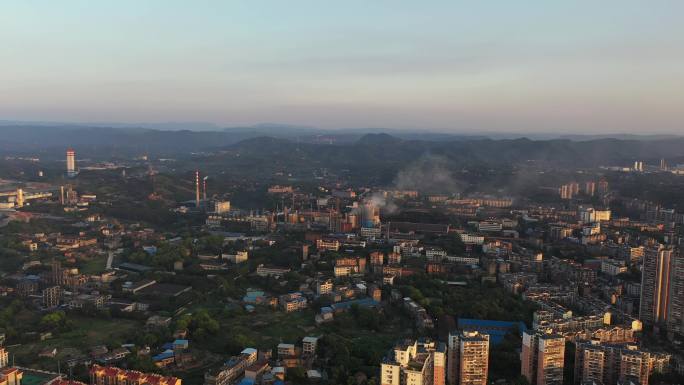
x=71 y=162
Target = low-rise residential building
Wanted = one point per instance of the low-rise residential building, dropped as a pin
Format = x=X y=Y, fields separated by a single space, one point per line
x=239 y=257
x=324 y=287
x=11 y=376
x=265 y=271
x=612 y=267
x=349 y=265
x=328 y=244
x=100 y=375
x=292 y=302
x=414 y=363
x=232 y=369
x=471 y=239
x=309 y=345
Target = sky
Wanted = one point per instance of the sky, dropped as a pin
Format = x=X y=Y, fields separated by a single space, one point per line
x=478 y=66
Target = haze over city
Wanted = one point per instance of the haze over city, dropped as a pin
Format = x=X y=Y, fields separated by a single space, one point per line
x=341 y=193
x=523 y=66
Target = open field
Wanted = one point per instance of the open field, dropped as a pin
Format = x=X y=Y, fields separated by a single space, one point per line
x=86 y=333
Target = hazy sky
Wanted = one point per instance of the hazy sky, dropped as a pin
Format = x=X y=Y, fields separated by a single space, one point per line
x=581 y=66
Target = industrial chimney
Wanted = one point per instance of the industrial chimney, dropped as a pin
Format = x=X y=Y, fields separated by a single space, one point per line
x=197 y=189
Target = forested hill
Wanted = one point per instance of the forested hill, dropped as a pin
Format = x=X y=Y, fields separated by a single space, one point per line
x=335 y=147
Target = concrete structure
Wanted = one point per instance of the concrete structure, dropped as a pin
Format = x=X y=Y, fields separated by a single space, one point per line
x=414 y=363
x=468 y=360
x=221 y=207
x=11 y=376
x=52 y=296
x=197 y=189
x=592 y=215
x=71 y=162
x=349 y=265
x=675 y=320
x=231 y=369
x=542 y=358
x=100 y=375
x=265 y=271
x=309 y=345
x=238 y=257
x=612 y=267
x=4 y=357
x=470 y=239
x=324 y=287
x=659 y=280
x=285 y=350
x=611 y=364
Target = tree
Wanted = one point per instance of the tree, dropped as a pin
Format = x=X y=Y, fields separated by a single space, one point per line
x=296 y=375
x=54 y=321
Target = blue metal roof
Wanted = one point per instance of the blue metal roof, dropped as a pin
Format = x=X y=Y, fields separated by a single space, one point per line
x=496 y=330
x=364 y=302
x=162 y=356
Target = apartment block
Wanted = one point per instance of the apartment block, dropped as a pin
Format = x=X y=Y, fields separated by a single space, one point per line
x=231 y=370
x=415 y=363
x=612 y=364
x=468 y=358
x=100 y=375
x=542 y=357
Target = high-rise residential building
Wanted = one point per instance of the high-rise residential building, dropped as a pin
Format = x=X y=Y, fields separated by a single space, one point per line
x=570 y=190
x=663 y=164
x=566 y=191
x=439 y=357
x=638 y=166
x=71 y=162
x=415 y=363
x=4 y=357
x=468 y=358
x=603 y=187
x=675 y=319
x=58 y=275
x=659 y=281
x=612 y=364
x=52 y=296
x=590 y=188
x=542 y=357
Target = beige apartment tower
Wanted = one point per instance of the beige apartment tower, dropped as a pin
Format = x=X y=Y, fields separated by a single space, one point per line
x=468 y=360
x=542 y=358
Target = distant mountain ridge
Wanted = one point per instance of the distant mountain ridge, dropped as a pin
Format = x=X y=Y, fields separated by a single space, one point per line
x=316 y=146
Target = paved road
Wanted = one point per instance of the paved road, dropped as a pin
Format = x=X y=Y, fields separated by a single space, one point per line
x=110 y=260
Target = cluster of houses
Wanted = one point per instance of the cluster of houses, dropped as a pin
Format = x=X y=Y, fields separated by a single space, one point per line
x=254 y=367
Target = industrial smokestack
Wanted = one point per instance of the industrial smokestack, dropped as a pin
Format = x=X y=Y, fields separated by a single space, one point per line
x=197 y=189
x=204 y=187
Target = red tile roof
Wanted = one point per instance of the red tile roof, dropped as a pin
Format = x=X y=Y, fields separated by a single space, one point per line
x=133 y=376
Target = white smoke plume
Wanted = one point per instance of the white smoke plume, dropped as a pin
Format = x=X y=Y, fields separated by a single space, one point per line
x=384 y=204
x=428 y=175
